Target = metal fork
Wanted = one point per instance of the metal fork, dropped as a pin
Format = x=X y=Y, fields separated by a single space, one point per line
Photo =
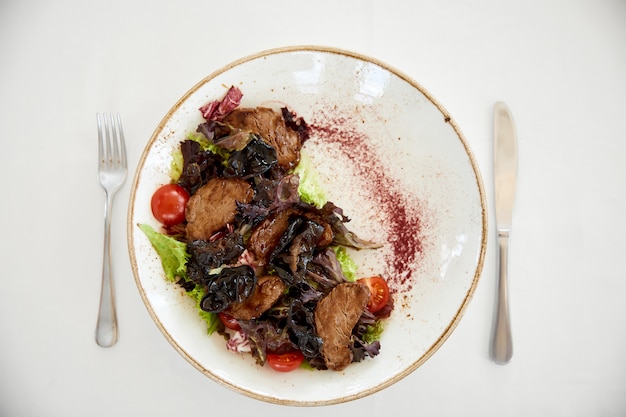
x=112 y=173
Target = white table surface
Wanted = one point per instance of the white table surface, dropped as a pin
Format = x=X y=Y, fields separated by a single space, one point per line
x=561 y=67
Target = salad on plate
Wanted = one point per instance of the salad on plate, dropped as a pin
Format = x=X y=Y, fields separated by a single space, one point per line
x=247 y=232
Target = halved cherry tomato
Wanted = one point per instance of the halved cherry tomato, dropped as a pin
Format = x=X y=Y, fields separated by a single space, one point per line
x=285 y=362
x=229 y=321
x=379 y=292
x=168 y=204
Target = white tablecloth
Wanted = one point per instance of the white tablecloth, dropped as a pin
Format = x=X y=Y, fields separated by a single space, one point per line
x=561 y=67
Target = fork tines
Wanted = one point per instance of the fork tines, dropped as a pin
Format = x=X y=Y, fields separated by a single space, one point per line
x=111 y=146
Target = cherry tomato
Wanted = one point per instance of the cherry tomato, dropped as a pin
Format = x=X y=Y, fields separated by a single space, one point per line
x=168 y=204
x=285 y=362
x=229 y=321
x=379 y=292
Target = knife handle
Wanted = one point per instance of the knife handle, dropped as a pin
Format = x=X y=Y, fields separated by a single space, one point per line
x=502 y=341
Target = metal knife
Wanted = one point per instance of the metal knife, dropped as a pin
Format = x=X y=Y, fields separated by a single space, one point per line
x=505 y=174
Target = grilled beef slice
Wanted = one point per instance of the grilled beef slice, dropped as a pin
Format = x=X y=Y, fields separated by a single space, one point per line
x=335 y=316
x=268 y=290
x=267 y=234
x=214 y=205
x=271 y=126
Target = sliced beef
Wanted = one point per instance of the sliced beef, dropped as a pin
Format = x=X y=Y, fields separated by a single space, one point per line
x=214 y=205
x=271 y=126
x=335 y=316
x=266 y=236
x=268 y=290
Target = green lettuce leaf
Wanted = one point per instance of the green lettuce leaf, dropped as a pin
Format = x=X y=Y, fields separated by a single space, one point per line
x=348 y=266
x=173 y=253
x=176 y=166
x=373 y=332
x=309 y=188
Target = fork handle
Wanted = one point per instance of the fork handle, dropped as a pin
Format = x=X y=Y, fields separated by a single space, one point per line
x=106 y=328
x=502 y=341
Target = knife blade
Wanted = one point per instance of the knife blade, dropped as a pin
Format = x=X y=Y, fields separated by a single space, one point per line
x=505 y=181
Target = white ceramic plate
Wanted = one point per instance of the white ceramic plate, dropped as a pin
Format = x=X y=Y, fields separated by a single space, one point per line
x=387 y=153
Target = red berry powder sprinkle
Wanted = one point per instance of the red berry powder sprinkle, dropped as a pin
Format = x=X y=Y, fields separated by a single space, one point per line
x=399 y=210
